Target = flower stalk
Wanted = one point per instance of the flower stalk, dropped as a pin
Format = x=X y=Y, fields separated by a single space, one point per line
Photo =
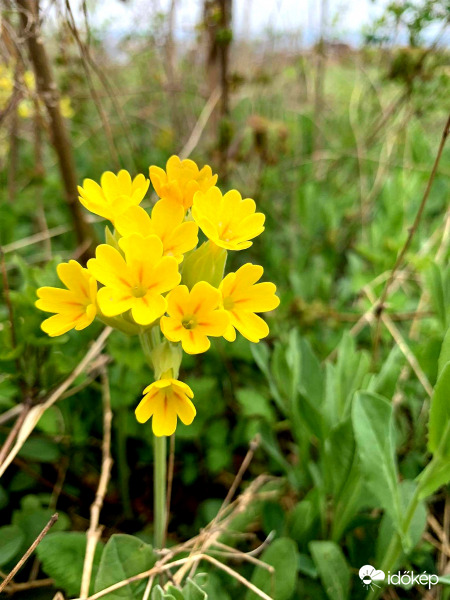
x=159 y=489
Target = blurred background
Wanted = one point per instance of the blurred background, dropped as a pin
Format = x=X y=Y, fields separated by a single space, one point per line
x=329 y=114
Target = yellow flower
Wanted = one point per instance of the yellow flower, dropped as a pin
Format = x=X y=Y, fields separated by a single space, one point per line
x=193 y=316
x=180 y=180
x=166 y=400
x=242 y=297
x=115 y=195
x=228 y=221
x=66 y=107
x=135 y=282
x=75 y=307
x=167 y=222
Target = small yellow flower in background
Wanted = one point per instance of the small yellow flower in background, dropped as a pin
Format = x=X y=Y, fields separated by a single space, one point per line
x=167 y=222
x=75 y=307
x=193 y=316
x=181 y=180
x=135 y=282
x=66 y=107
x=242 y=297
x=228 y=220
x=115 y=194
x=166 y=400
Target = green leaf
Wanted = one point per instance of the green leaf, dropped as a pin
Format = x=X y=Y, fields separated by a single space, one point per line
x=304 y=520
x=282 y=555
x=444 y=356
x=40 y=450
x=374 y=432
x=11 y=541
x=193 y=591
x=311 y=379
x=440 y=413
x=62 y=557
x=416 y=527
x=435 y=282
x=123 y=557
x=333 y=569
x=159 y=594
x=253 y=404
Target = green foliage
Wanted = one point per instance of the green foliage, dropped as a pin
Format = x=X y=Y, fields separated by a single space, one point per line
x=282 y=556
x=374 y=432
x=62 y=557
x=123 y=557
x=332 y=568
x=11 y=541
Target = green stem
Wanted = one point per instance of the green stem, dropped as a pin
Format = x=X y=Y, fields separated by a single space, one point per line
x=159 y=489
x=122 y=463
x=395 y=547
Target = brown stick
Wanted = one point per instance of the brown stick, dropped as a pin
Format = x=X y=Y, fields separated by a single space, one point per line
x=48 y=91
x=411 y=233
x=29 y=552
x=37 y=411
x=94 y=531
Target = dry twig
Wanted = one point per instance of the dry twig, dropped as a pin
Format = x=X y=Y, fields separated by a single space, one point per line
x=94 y=531
x=29 y=552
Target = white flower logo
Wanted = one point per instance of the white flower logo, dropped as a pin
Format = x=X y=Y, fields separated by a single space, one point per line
x=369 y=575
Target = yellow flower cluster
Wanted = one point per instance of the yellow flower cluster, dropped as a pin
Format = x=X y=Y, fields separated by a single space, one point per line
x=26 y=107
x=157 y=281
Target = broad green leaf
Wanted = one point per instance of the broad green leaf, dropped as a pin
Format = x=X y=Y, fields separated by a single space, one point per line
x=62 y=557
x=416 y=528
x=282 y=555
x=11 y=541
x=352 y=365
x=444 y=356
x=385 y=382
x=435 y=280
x=193 y=591
x=311 y=379
x=40 y=450
x=374 y=432
x=440 y=413
x=339 y=455
x=333 y=569
x=159 y=594
x=304 y=520
x=123 y=557
x=437 y=472
x=254 y=404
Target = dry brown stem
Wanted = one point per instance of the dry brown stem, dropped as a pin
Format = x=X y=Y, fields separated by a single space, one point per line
x=94 y=532
x=36 y=412
x=48 y=91
x=29 y=552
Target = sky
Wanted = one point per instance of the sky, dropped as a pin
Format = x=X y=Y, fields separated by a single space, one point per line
x=251 y=17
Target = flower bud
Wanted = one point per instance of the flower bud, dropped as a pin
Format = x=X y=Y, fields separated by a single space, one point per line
x=166 y=359
x=206 y=263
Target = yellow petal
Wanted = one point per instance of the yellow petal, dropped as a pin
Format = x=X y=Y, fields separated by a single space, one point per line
x=194 y=342
x=203 y=297
x=110 y=268
x=113 y=302
x=176 y=301
x=172 y=329
x=251 y=326
x=213 y=323
x=149 y=308
x=134 y=220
